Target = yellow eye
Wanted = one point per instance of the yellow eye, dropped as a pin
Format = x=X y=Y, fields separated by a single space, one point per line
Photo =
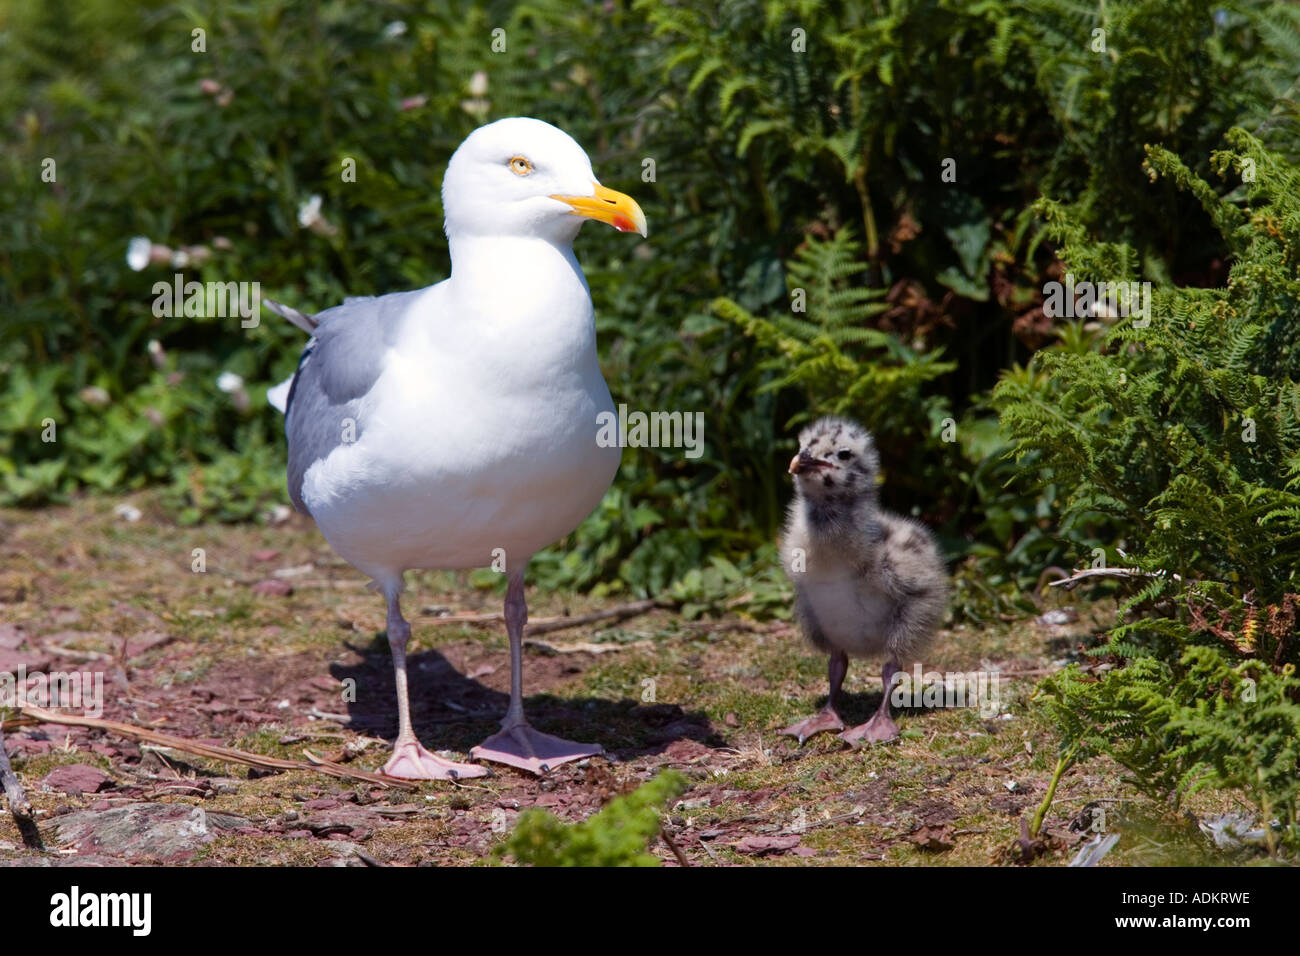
x=520 y=166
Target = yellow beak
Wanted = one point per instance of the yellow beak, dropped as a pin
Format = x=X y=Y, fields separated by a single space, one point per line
x=609 y=207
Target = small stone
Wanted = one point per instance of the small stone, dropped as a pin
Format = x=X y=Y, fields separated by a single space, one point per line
x=274 y=587
x=12 y=662
x=77 y=778
x=11 y=636
x=1059 y=616
x=167 y=833
x=763 y=845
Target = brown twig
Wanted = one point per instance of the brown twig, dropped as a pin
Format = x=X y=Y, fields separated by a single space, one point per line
x=1044 y=671
x=1073 y=580
x=213 y=751
x=584 y=647
x=19 y=805
x=677 y=851
x=545 y=625
x=1054 y=570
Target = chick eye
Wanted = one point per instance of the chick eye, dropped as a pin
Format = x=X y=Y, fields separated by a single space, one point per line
x=844 y=454
x=520 y=166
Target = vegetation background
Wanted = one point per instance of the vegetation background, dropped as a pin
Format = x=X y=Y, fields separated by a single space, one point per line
x=796 y=145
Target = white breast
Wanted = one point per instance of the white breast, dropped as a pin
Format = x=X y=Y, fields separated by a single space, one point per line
x=480 y=436
x=851 y=615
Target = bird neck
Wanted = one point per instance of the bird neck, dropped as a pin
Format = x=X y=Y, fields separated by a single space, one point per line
x=530 y=263
x=528 y=291
x=833 y=517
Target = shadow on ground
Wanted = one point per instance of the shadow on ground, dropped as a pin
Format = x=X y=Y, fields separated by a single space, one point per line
x=452 y=711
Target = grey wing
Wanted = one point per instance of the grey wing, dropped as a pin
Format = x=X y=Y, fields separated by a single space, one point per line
x=911 y=571
x=340 y=364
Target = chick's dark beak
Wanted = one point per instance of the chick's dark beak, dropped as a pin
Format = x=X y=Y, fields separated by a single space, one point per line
x=805 y=462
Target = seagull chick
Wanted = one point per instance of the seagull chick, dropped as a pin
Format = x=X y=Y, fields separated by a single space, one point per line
x=867 y=582
x=456 y=426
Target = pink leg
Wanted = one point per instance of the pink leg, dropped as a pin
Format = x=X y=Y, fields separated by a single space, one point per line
x=881 y=726
x=828 y=718
x=409 y=760
x=517 y=743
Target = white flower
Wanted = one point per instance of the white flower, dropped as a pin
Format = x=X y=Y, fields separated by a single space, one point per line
x=309 y=217
x=278 y=514
x=478 y=83
x=128 y=512
x=229 y=382
x=309 y=212
x=138 y=251
x=395 y=29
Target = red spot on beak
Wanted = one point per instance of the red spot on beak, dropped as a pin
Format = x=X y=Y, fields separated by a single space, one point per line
x=805 y=462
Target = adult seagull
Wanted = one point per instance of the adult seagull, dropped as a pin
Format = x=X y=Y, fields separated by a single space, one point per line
x=456 y=426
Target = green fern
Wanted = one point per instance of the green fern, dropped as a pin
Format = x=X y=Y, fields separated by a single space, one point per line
x=829 y=353
x=1184 y=437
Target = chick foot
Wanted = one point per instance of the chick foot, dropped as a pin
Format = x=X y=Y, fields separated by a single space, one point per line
x=878 y=729
x=824 y=720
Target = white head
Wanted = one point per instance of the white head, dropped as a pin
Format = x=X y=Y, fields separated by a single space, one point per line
x=523 y=177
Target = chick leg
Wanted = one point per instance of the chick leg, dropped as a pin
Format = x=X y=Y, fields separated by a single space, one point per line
x=517 y=743
x=828 y=718
x=409 y=759
x=881 y=726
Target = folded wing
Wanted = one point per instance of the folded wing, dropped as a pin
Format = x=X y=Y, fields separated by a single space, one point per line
x=340 y=364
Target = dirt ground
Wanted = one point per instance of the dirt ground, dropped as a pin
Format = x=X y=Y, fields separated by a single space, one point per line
x=256 y=651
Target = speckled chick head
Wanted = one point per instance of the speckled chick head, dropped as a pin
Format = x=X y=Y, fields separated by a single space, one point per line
x=837 y=462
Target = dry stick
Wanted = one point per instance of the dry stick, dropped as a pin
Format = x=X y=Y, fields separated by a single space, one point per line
x=677 y=852
x=19 y=805
x=1073 y=580
x=704 y=844
x=1044 y=671
x=212 y=751
x=544 y=625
